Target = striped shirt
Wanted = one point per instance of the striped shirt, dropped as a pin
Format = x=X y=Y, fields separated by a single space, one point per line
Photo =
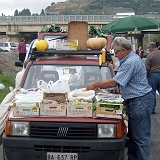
x=132 y=77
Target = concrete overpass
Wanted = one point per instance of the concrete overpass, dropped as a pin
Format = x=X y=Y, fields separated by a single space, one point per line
x=17 y=27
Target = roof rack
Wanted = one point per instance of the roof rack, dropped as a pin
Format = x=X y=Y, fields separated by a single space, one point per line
x=103 y=54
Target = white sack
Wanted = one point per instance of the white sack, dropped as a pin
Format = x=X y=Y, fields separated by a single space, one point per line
x=78 y=93
x=2 y=87
x=60 y=86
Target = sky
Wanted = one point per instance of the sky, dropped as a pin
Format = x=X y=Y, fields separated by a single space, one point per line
x=7 y=7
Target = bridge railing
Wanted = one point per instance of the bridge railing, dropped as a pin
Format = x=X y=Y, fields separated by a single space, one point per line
x=65 y=18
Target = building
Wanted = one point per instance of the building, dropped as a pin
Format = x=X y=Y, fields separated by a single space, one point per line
x=123 y=15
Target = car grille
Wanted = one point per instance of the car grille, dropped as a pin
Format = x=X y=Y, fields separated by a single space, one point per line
x=67 y=149
x=63 y=130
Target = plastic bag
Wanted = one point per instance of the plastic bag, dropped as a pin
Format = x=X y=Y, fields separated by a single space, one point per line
x=42 y=84
x=78 y=93
x=60 y=86
x=49 y=85
x=2 y=87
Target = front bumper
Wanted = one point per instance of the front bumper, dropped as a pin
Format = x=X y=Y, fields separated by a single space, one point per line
x=26 y=148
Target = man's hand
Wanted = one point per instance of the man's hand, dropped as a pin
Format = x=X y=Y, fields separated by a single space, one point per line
x=101 y=84
x=91 y=86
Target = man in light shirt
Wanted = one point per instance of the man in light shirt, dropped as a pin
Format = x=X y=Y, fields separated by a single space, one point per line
x=136 y=92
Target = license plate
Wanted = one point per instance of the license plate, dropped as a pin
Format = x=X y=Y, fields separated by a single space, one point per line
x=62 y=156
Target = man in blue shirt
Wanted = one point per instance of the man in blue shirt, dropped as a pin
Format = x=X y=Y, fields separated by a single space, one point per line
x=132 y=81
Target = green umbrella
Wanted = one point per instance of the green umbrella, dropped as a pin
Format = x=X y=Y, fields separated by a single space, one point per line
x=130 y=24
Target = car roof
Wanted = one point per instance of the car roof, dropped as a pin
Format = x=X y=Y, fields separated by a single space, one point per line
x=67 y=60
x=71 y=60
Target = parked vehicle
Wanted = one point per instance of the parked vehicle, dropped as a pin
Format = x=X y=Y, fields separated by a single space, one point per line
x=27 y=47
x=9 y=46
x=2 y=50
x=62 y=126
x=70 y=138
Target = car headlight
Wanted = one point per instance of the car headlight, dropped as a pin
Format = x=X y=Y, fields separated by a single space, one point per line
x=106 y=130
x=20 y=128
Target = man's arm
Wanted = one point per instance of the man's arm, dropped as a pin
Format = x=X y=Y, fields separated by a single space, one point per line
x=102 y=84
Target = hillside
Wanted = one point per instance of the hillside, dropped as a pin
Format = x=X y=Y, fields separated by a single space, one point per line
x=84 y=7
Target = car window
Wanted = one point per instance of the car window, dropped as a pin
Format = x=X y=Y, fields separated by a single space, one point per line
x=13 y=45
x=77 y=76
x=6 y=45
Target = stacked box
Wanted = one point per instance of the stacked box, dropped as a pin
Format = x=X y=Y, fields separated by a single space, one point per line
x=79 y=110
x=23 y=109
x=27 y=106
x=53 y=104
x=106 y=110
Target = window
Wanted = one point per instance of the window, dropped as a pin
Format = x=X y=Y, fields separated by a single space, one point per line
x=77 y=76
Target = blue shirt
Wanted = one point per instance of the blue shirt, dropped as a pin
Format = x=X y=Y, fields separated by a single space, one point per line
x=132 y=77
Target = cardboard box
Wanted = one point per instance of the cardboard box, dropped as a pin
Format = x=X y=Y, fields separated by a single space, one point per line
x=26 y=104
x=26 y=111
x=55 y=96
x=109 y=112
x=78 y=30
x=47 y=108
x=68 y=45
x=54 y=104
x=79 y=110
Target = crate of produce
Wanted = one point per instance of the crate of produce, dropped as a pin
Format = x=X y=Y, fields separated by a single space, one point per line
x=26 y=111
x=59 y=97
x=79 y=108
x=53 y=108
x=27 y=105
x=109 y=109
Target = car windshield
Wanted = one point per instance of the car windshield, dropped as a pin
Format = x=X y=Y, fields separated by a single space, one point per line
x=76 y=76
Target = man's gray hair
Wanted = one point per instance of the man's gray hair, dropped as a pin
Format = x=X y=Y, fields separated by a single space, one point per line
x=152 y=45
x=121 y=42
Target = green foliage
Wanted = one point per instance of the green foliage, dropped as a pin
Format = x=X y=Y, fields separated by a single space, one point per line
x=96 y=32
x=7 y=80
x=16 y=12
x=114 y=6
x=51 y=28
x=150 y=38
x=103 y=7
x=25 y=12
x=94 y=107
x=95 y=6
x=42 y=12
x=52 y=3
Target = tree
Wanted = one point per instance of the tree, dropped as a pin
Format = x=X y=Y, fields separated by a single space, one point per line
x=25 y=12
x=35 y=14
x=16 y=12
x=52 y=3
x=42 y=12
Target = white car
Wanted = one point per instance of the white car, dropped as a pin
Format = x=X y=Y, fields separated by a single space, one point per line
x=27 y=47
x=9 y=46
